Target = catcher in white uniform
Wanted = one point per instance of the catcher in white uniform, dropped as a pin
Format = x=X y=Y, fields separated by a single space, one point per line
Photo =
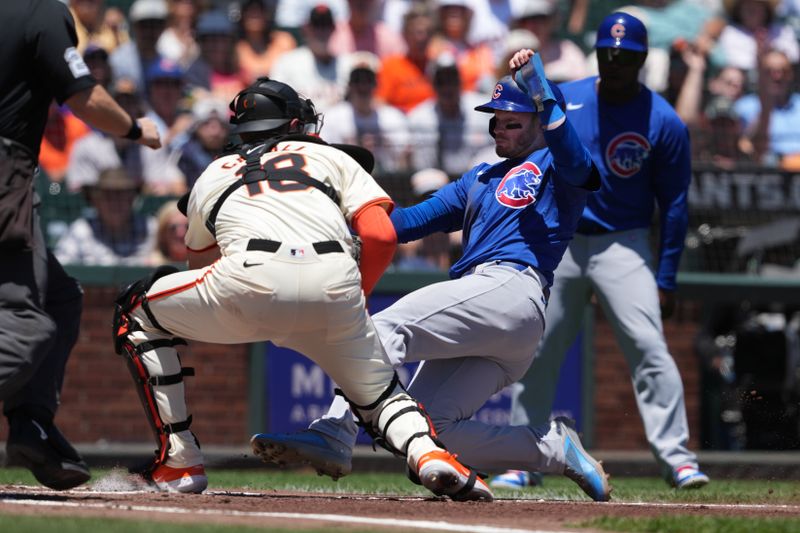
x=270 y=257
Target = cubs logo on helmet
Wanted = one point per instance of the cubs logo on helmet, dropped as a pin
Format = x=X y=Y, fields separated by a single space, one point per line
x=617 y=31
x=498 y=91
x=622 y=30
x=626 y=152
x=517 y=189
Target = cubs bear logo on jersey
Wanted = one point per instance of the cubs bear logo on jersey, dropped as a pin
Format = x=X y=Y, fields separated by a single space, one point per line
x=517 y=189
x=626 y=152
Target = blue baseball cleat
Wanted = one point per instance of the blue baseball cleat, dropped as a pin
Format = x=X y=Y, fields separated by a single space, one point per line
x=579 y=466
x=517 y=479
x=326 y=455
x=689 y=477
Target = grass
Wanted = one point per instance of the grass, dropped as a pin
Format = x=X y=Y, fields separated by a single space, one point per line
x=35 y=524
x=695 y=524
x=656 y=491
x=555 y=487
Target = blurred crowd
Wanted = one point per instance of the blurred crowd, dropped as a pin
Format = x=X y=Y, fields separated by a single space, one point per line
x=400 y=77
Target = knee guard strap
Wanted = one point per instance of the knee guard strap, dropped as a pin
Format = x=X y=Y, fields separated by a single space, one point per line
x=417 y=407
x=379 y=434
x=384 y=395
x=171 y=379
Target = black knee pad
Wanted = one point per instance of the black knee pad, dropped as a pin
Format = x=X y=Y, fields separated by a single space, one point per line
x=131 y=297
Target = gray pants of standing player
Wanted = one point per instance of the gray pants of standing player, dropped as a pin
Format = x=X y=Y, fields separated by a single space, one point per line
x=476 y=335
x=617 y=268
x=40 y=311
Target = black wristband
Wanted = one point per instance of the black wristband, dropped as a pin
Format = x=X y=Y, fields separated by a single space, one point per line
x=135 y=133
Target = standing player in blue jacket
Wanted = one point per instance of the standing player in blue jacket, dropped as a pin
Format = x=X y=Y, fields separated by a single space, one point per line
x=478 y=332
x=642 y=151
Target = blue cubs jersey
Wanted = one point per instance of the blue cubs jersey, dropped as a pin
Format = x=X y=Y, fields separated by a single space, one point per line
x=523 y=210
x=641 y=149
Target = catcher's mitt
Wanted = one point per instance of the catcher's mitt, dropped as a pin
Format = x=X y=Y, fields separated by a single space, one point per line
x=362 y=156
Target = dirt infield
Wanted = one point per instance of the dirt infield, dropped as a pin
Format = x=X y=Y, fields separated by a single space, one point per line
x=348 y=512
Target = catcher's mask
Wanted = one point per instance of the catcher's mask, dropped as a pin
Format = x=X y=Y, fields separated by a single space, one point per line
x=269 y=104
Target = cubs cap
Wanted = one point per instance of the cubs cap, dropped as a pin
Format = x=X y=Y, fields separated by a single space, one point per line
x=163 y=69
x=507 y=96
x=622 y=30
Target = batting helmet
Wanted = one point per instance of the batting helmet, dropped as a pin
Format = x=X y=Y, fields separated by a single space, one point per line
x=269 y=104
x=507 y=96
x=622 y=30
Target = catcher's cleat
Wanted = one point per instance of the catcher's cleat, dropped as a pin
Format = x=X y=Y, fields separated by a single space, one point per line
x=689 y=477
x=190 y=479
x=41 y=448
x=326 y=455
x=581 y=467
x=442 y=474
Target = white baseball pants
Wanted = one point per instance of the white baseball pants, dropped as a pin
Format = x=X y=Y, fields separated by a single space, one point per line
x=299 y=299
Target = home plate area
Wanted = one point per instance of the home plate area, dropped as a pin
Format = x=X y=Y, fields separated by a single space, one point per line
x=348 y=512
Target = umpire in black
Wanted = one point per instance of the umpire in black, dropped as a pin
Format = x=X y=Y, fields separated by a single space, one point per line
x=40 y=305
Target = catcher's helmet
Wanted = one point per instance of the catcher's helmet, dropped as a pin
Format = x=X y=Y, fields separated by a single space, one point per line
x=269 y=104
x=507 y=96
x=622 y=30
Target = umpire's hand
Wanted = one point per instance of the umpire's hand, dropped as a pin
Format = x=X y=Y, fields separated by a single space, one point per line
x=150 y=135
x=95 y=106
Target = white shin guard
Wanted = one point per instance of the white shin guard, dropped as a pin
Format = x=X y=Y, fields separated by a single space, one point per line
x=170 y=401
x=402 y=423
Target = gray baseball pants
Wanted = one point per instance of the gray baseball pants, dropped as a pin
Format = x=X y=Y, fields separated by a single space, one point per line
x=40 y=310
x=476 y=335
x=617 y=268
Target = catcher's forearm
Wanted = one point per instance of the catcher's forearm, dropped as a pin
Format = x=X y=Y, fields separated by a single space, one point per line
x=378 y=244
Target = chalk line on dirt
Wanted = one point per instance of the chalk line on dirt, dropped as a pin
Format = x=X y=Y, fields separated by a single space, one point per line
x=372 y=521
x=675 y=505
